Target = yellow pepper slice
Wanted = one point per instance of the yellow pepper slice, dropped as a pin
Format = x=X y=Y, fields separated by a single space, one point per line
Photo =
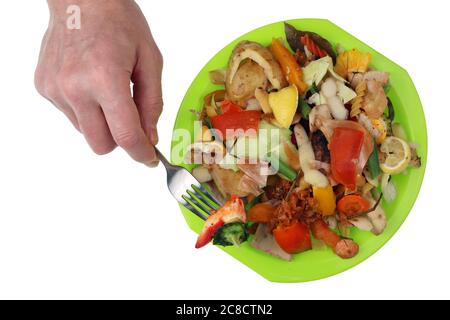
x=326 y=200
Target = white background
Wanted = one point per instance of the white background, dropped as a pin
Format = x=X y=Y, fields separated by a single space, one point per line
x=75 y=225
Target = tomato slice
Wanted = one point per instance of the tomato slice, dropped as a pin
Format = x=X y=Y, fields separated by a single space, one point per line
x=345 y=147
x=294 y=238
x=234 y=121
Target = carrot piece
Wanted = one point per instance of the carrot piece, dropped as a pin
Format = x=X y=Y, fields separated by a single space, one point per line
x=261 y=212
x=291 y=69
x=352 y=205
x=321 y=231
x=344 y=248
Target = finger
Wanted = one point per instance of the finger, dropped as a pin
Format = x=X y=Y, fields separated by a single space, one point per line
x=124 y=123
x=147 y=91
x=95 y=129
x=149 y=107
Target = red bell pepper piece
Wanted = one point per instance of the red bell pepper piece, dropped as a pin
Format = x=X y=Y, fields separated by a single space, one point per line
x=233 y=210
x=345 y=148
x=233 y=121
x=210 y=228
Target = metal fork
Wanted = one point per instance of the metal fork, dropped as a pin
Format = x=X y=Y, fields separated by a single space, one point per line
x=188 y=191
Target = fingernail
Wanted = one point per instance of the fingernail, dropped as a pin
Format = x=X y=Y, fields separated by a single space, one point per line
x=154 y=137
x=152 y=164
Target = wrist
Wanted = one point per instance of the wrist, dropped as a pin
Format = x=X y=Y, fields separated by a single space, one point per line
x=60 y=6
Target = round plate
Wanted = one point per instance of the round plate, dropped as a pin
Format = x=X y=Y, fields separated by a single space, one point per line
x=313 y=265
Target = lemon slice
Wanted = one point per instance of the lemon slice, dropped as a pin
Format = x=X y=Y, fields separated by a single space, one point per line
x=397 y=155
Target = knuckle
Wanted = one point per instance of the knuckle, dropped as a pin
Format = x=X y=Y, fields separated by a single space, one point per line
x=127 y=139
x=156 y=105
x=69 y=84
x=159 y=60
x=99 y=78
x=51 y=90
x=46 y=86
x=154 y=56
x=39 y=81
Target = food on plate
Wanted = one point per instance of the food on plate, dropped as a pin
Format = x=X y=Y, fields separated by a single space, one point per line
x=283 y=104
x=231 y=212
x=301 y=143
x=257 y=59
x=396 y=155
x=291 y=69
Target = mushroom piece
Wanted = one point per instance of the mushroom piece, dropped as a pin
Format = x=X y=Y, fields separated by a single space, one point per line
x=377 y=218
x=379 y=76
x=205 y=152
x=264 y=241
x=306 y=156
x=218 y=76
x=229 y=182
x=318 y=115
x=362 y=223
x=202 y=174
x=375 y=100
x=259 y=55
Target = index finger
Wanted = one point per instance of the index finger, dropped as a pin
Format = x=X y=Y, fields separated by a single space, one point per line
x=123 y=120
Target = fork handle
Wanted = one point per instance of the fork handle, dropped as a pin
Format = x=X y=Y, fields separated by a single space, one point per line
x=163 y=159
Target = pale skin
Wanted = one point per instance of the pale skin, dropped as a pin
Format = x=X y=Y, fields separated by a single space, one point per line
x=86 y=74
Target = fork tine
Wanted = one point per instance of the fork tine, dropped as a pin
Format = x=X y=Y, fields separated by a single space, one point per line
x=207 y=196
x=194 y=208
x=208 y=192
x=194 y=197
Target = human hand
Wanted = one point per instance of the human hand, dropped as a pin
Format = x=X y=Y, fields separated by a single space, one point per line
x=86 y=74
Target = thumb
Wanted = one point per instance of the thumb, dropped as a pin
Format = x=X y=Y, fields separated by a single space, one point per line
x=147 y=91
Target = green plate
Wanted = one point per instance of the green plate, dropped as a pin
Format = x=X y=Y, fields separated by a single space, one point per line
x=313 y=265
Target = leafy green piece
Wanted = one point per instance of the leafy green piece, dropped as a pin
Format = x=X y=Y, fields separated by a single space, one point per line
x=391 y=111
x=305 y=109
x=282 y=168
x=231 y=234
x=373 y=163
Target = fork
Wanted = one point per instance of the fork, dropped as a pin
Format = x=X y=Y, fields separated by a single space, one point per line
x=188 y=191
